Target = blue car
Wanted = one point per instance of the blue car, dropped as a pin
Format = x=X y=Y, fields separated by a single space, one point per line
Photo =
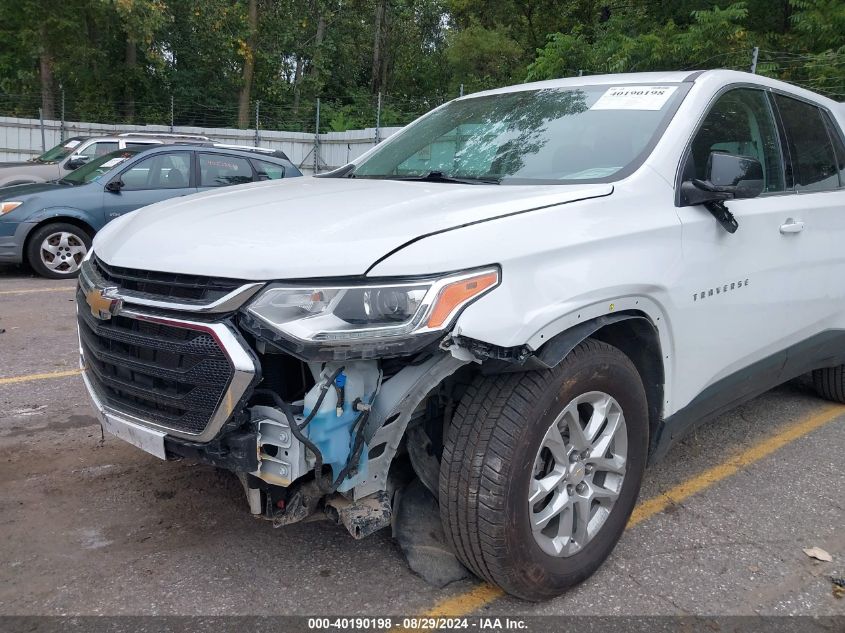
x=50 y=225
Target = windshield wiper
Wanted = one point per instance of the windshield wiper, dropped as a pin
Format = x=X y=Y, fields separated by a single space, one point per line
x=439 y=176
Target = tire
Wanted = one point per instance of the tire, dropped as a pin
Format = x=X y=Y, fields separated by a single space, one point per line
x=830 y=383
x=70 y=242
x=489 y=462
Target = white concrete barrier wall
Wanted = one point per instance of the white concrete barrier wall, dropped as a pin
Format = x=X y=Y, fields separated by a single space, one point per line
x=21 y=139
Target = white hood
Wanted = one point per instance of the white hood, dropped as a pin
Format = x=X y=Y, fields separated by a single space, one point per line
x=309 y=227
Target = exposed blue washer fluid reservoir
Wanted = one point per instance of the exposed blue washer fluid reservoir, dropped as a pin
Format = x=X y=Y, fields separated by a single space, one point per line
x=332 y=427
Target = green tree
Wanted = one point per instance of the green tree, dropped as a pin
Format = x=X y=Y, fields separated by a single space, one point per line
x=123 y=60
x=140 y=21
x=481 y=57
x=630 y=41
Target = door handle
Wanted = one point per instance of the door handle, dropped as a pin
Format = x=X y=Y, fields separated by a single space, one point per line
x=791 y=226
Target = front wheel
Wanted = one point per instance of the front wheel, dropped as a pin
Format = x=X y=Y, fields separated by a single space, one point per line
x=541 y=470
x=56 y=250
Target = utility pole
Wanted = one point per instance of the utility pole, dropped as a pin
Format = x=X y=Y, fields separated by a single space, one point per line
x=62 y=126
x=43 y=140
x=317 y=140
x=755 y=53
x=378 y=120
x=171 y=114
x=257 y=110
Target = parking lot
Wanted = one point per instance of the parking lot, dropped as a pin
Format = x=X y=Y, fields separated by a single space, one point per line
x=93 y=526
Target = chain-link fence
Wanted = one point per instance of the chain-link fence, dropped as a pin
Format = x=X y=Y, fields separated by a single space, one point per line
x=821 y=73
x=318 y=133
x=331 y=114
x=23 y=139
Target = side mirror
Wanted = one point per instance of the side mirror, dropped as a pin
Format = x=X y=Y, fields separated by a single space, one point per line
x=729 y=177
x=740 y=175
x=115 y=185
x=76 y=161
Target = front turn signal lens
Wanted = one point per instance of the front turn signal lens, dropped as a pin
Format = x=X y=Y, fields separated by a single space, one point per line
x=5 y=207
x=457 y=294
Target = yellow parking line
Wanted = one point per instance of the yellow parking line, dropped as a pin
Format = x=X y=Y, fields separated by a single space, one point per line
x=31 y=290
x=686 y=489
x=481 y=595
x=30 y=377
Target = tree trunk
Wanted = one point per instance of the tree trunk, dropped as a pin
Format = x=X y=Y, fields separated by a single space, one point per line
x=787 y=15
x=385 y=48
x=297 y=78
x=318 y=42
x=45 y=60
x=131 y=64
x=378 y=47
x=249 y=65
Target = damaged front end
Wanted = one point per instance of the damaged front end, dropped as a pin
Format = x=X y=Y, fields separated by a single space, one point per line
x=331 y=453
x=308 y=392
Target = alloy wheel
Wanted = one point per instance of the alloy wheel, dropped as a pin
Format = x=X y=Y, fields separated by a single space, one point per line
x=578 y=473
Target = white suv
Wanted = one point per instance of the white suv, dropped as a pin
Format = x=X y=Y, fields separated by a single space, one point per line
x=521 y=298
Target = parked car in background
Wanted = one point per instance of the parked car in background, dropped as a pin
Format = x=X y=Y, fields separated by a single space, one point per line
x=78 y=150
x=50 y=225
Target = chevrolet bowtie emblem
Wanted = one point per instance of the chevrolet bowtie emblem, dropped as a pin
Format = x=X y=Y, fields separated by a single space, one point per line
x=102 y=306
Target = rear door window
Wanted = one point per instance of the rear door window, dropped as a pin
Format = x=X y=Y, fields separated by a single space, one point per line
x=814 y=165
x=268 y=171
x=219 y=170
x=838 y=146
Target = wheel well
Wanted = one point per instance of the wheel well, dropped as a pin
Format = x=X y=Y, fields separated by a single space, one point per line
x=54 y=220
x=639 y=340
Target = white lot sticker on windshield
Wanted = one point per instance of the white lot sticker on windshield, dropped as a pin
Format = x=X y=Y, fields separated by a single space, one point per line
x=634 y=98
x=72 y=144
x=113 y=161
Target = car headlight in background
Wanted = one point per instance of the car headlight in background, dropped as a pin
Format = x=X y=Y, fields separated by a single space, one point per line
x=6 y=207
x=392 y=317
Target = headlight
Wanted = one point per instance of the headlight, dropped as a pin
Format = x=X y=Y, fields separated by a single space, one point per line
x=6 y=207
x=367 y=320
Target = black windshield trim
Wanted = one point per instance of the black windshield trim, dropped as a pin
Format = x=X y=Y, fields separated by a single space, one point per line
x=435 y=176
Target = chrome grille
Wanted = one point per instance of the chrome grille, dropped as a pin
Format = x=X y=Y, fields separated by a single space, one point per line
x=164 y=372
x=168 y=291
x=167 y=286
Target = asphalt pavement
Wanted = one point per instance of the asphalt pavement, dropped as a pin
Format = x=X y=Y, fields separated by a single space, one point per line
x=90 y=525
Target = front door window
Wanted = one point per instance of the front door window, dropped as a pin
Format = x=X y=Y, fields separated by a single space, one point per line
x=739 y=123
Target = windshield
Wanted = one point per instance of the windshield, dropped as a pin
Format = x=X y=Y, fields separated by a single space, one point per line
x=97 y=167
x=59 y=151
x=560 y=135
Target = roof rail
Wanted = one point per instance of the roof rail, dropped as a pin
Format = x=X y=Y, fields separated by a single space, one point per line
x=197 y=137
x=251 y=148
x=244 y=148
